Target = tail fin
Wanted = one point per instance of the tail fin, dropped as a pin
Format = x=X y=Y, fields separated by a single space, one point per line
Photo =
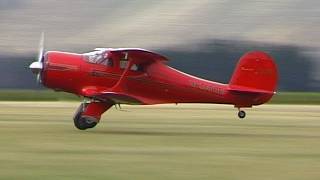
x=255 y=72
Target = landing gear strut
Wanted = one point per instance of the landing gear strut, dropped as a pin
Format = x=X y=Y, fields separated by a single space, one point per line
x=89 y=114
x=241 y=114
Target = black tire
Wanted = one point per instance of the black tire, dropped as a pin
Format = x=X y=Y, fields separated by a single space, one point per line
x=241 y=114
x=79 y=111
x=84 y=123
x=81 y=122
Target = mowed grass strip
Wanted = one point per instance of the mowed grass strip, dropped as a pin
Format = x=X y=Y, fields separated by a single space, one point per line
x=296 y=98
x=311 y=98
x=35 y=95
x=38 y=141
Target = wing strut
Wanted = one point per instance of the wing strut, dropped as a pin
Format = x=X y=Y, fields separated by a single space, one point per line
x=119 y=87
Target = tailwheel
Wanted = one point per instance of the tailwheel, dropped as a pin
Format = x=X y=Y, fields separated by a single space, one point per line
x=83 y=122
x=241 y=114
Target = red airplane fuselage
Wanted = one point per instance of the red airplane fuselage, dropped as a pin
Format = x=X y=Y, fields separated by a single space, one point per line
x=160 y=83
x=127 y=76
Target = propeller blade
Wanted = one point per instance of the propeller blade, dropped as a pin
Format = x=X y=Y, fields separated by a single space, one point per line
x=39 y=78
x=37 y=66
x=41 y=48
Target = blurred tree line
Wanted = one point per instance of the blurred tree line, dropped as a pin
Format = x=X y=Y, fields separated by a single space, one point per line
x=212 y=60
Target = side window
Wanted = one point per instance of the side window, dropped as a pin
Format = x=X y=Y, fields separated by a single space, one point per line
x=137 y=67
x=134 y=67
x=110 y=62
x=123 y=64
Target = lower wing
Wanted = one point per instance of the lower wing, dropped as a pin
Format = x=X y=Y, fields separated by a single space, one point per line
x=116 y=97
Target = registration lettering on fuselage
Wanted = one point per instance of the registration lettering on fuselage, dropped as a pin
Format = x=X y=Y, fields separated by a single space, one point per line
x=208 y=88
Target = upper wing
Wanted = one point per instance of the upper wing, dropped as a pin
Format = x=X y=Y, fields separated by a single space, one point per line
x=137 y=55
x=133 y=56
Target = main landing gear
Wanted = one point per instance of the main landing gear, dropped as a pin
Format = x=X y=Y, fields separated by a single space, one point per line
x=89 y=114
x=83 y=122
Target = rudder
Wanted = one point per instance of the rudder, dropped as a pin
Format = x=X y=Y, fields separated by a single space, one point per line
x=255 y=70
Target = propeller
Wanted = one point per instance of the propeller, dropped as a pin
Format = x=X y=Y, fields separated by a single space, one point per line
x=37 y=66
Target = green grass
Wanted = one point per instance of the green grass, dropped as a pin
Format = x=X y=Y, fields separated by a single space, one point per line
x=296 y=98
x=38 y=141
x=49 y=95
x=35 y=95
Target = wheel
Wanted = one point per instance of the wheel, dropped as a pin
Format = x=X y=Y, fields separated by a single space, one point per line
x=83 y=122
x=79 y=111
x=241 y=114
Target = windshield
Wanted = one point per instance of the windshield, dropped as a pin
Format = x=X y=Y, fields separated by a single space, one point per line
x=98 y=57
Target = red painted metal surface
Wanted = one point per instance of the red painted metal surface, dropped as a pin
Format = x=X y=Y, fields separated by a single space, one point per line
x=153 y=82
x=96 y=109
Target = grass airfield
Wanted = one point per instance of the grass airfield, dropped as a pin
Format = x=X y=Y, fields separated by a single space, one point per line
x=38 y=141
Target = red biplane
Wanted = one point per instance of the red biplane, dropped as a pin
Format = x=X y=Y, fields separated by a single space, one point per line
x=111 y=76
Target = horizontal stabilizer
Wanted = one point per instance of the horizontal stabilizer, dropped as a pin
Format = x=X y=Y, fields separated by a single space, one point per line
x=239 y=89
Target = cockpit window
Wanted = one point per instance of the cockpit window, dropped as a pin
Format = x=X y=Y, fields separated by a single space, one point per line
x=134 y=67
x=123 y=64
x=103 y=57
x=99 y=57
